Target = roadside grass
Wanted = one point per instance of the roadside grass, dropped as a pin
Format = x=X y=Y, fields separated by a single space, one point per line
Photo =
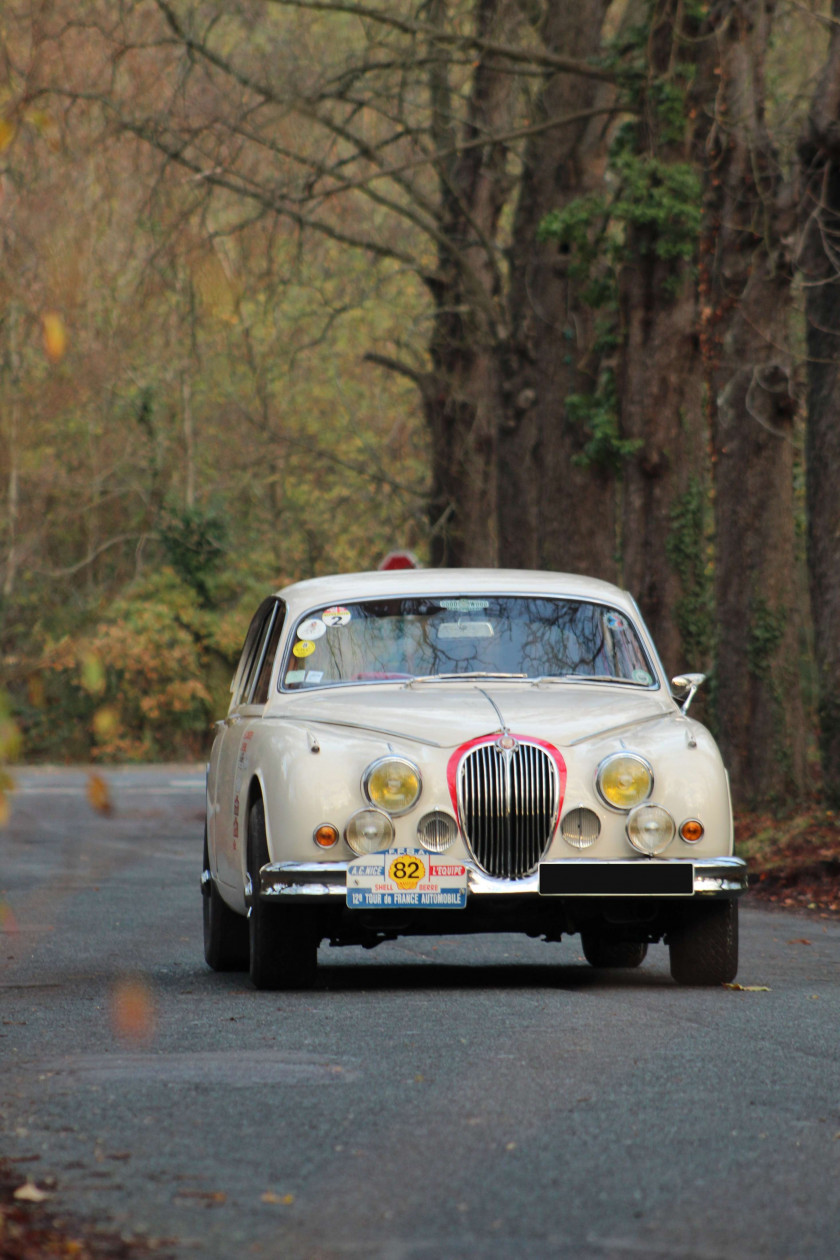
x=794 y=860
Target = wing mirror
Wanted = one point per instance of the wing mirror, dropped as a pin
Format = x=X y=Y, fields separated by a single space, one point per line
x=685 y=688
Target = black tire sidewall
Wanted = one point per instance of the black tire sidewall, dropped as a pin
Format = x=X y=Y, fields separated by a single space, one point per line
x=704 y=947
x=283 y=946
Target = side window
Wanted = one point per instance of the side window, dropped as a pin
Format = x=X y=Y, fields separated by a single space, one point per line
x=269 y=651
x=252 y=652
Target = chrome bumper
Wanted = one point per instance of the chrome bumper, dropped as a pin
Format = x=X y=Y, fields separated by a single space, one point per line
x=325 y=881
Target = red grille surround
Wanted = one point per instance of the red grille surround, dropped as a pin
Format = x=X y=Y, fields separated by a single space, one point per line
x=507 y=801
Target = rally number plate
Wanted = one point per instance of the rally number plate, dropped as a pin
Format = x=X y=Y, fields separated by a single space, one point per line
x=397 y=879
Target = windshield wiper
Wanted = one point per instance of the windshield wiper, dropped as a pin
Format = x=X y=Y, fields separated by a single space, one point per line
x=475 y=673
x=610 y=678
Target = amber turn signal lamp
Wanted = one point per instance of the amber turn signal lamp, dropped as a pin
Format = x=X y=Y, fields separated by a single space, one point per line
x=692 y=831
x=325 y=836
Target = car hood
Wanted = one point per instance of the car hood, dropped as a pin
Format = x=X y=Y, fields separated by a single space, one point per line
x=446 y=715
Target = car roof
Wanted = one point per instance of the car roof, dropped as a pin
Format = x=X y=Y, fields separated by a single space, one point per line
x=408 y=582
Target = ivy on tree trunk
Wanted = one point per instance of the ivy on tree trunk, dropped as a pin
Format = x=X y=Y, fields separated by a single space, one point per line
x=819 y=153
x=746 y=285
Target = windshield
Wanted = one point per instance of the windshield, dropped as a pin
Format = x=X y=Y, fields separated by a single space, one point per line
x=489 y=635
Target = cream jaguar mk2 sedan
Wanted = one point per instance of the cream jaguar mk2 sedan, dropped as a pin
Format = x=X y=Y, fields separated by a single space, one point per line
x=447 y=751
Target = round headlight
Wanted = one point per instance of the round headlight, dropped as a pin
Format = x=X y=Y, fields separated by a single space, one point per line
x=650 y=829
x=624 y=780
x=368 y=831
x=392 y=784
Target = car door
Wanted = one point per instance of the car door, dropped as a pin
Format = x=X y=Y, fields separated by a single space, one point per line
x=232 y=755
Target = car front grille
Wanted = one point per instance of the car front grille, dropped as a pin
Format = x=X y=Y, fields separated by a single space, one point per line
x=508 y=802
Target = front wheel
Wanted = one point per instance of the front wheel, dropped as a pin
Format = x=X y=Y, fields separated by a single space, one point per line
x=283 y=944
x=704 y=947
x=225 y=931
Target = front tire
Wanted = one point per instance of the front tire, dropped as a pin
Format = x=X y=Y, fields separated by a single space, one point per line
x=704 y=948
x=600 y=951
x=283 y=945
x=225 y=931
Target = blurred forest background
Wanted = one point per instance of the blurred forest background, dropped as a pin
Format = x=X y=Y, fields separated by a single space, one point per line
x=531 y=283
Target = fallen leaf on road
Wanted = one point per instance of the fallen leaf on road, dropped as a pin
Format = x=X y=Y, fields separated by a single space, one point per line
x=29 y=1193
x=133 y=1010
x=799 y=940
x=98 y=794
x=8 y=922
x=271 y=1197
x=748 y=988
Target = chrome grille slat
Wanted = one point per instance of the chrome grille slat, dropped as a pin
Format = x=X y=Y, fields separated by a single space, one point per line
x=508 y=804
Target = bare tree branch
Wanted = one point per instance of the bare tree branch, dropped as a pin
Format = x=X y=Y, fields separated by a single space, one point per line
x=448 y=38
x=70 y=569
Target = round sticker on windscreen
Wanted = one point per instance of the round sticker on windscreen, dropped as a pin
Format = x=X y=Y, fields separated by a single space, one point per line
x=641 y=676
x=335 y=616
x=614 y=621
x=304 y=647
x=312 y=628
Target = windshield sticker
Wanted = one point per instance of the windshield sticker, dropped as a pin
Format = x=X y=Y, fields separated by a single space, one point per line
x=295 y=676
x=641 y=676
x=464 y=605
x=615 y=622
x=465 y=630
x=304 y=647
x=335 y=616
x=312 y=628
x=314 y=675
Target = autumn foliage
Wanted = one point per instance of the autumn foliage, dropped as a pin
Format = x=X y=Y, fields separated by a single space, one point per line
x=502 y=284
x=139 y=686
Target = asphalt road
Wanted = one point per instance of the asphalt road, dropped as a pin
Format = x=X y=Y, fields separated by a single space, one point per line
x=485 y=1097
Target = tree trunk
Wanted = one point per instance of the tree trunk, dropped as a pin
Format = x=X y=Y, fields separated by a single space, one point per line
x=10 y=418
x=665 y=482
x=12 y=499
x=189 y=440
x=462 y=395
x=556 y=508
x=758 y=694
x=820 y=211
x=663 y=529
